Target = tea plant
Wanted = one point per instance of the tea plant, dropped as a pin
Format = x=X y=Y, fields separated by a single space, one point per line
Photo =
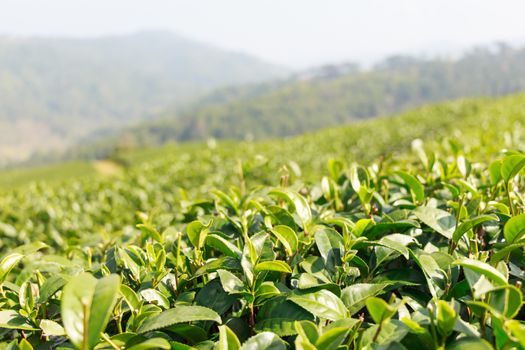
x=422 y=250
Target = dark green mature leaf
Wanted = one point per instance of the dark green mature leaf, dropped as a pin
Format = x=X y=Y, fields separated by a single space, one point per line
x=506 y=300
x=179 y=314
x=213 y=296
x=230 y=283
x=354 y=296
x=514 y=229
x=471 y=223
x=323 y=304
x=502 y=253
x=264 y=341
x=483 y=268
x=222 y=263
x=330 y=245
x=279 y=316
x=437 y=219
x=469 y=343
x=87 y=304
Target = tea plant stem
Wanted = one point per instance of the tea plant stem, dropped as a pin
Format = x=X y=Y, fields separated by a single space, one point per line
x=109 y=341
x=433 y=327
x=511 y=206
x=379 y=328
x=85 y=345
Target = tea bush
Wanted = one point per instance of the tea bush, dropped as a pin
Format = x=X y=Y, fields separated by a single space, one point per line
x=221 y=248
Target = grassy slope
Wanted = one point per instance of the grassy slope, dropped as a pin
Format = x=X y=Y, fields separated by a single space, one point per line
x=483 y=121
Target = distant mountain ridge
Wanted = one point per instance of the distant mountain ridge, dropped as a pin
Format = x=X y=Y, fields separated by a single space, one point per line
x=54 y=91
x=334 y=95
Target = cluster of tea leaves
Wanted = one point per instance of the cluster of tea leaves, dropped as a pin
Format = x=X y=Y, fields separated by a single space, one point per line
x=210 y=250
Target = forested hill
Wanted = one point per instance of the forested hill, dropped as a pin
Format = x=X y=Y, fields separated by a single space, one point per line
x=54 y=91
x=334 y=95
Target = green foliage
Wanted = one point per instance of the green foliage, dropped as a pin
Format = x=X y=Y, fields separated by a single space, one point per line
x=205 y=249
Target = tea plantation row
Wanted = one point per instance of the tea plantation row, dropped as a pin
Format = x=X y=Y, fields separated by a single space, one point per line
x=362 y=237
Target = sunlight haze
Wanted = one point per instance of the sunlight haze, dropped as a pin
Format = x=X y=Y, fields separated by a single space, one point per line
x=295 y=33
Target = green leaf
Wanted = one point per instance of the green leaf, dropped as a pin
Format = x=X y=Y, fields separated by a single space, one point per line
x=25 y=345
x=287 y=237
x=501 y=254
x=437 y=219
x=379 y=309
x=276 y=265
x=227 y=339
x=306 y=331
x=230 y=283
x=446 y=317
x=331 y=339
x=196 y=232
x=495 y=171
x=151 y=232
x=483 y=268
x=50 y=287
x=179 y=314
x=131 y=298
x=190 y=332
x=13 y=320
x=153 y=343
x=264 y=341
x=511 y=166
x=7 y=263
x=470 y=224
x=153 y=296
x=354 y=296
x=223 y=245
x=469 y=343
x=415 y=186
x=279 y=316
x=506 y=300
x=297 y=203
x=518 y=330
x=323 y=304
x=514 y=229
x=330 y=245
x=50 y=327
x=87 y=304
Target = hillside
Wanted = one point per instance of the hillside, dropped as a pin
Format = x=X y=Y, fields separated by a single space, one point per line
x=405 y=232
x=485 y=123
x=57 y=91
x=335 y=95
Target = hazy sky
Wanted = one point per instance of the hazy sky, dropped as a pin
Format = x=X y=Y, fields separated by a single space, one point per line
x=296 y=33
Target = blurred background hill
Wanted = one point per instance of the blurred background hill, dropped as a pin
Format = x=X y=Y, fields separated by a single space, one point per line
x=56 y=91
